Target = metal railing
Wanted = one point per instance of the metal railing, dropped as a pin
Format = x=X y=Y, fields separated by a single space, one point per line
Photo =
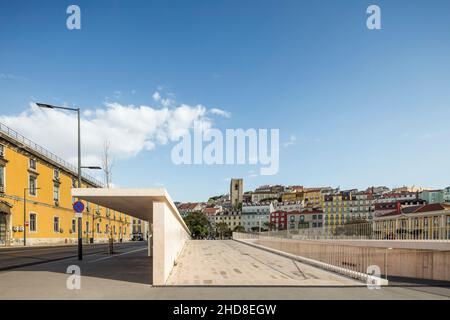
x=352 y=258
x=11 y=133
x=415 y=230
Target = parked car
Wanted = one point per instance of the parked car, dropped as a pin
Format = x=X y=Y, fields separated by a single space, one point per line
x=137 y=237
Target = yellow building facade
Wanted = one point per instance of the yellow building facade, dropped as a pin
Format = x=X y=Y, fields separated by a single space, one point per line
x=30 y=173
x=313 y=197
x=336 y=209
x=292 y=196
x=232 y=219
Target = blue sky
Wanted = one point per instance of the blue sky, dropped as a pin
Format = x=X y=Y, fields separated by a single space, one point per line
x=365 y=107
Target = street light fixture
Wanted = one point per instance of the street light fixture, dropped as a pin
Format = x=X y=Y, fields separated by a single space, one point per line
x=77 y=110
x=25 y=214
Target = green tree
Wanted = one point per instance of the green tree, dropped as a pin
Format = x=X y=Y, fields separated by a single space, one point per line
x=239 y=229
x=269 y=225
x=198 y=224
x=222 y=229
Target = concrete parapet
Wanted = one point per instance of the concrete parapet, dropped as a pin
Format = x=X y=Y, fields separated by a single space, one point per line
x=393 y=258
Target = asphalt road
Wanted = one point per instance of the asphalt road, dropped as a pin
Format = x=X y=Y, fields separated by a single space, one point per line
x=15 y=257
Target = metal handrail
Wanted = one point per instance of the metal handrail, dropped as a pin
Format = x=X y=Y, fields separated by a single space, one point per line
x=46 y=153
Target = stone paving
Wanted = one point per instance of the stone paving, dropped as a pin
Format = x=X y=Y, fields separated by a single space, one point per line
x=127 y=275
x=225 y=263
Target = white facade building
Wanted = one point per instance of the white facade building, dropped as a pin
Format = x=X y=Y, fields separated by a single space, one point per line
x=287 y=206
x=394 y=197
x=255 y=216
x=447 y=195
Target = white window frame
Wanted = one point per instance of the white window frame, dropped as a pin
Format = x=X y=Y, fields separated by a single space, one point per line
x=56 y=187
x=4 y=177
x=32 y=160
x=35 y=185
x=35 y=222
x=59 y=221
x=56 y=174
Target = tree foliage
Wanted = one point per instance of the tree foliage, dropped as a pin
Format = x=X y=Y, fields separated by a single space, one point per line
x=198 y=224
x=222 y=229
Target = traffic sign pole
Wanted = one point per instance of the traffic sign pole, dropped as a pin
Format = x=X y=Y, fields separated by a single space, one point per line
x=78 y=207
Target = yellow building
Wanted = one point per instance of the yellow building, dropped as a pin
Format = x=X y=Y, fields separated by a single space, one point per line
x=292 y=196
x=28 y=171
x=336 y=209
x=313 y=197
x=231 y=218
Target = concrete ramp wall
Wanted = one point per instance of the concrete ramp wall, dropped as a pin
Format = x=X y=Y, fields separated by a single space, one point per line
x=168 y=232
x=169 y=236
x=399 y=259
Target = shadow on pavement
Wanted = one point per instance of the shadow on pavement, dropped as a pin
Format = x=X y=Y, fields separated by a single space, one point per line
x=123 y=265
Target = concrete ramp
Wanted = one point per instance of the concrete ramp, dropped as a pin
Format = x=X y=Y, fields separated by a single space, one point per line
x=168 y=230
x=230 y=263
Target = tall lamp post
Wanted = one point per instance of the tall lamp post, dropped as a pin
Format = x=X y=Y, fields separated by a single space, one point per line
x=80 y=226
x=25 y=214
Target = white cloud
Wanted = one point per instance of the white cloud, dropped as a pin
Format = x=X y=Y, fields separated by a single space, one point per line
x=129 y=129
x=220 y=112
x=165 y=102
x=292 y=140
x=156 y=96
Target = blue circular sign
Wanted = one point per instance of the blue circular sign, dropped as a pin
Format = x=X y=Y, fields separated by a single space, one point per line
x=78 y=206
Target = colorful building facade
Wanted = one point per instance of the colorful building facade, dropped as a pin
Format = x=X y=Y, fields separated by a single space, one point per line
x=31 y=175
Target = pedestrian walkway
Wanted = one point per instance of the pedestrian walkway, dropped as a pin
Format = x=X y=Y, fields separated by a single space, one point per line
x=228 y=262
x=127 y=275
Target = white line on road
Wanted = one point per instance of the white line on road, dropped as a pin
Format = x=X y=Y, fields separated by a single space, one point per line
x=116 y=255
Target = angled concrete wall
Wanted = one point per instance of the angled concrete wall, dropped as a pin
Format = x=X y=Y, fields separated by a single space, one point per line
x=155 y=206
x=169 y=237
x=399 y=259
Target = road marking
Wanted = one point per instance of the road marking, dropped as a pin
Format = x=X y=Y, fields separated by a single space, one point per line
x=116 y=255
x=32 y=249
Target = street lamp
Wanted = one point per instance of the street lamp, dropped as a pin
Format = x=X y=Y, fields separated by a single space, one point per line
x=25 y=214
x=77 y=110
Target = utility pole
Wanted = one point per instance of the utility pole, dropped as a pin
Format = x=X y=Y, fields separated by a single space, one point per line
x=80 y=221
x=80 y=226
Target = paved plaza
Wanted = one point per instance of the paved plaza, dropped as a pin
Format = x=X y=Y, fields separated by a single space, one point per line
x=229 y=262
x=128 y=275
